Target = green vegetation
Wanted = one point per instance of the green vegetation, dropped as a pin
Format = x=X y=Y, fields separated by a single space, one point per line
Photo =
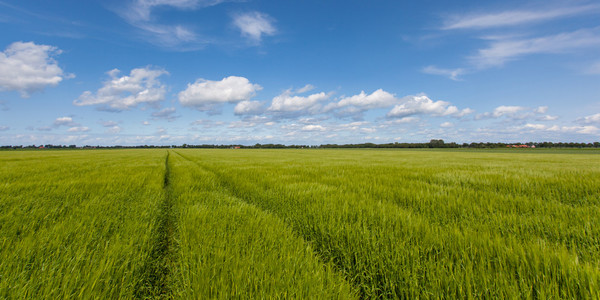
x=203 y=223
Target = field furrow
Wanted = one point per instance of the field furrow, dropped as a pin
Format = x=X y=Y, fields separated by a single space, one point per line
x=156 y=276
x=229 y=248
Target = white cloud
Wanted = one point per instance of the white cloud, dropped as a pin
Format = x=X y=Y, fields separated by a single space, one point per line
x=306 y=88
x=447 y=125
x=377 y=99
x=541 y=109
x=515 y=17
x=535 y=126
x=166 y=113
x=139 y=13
x=28 y=68
x=113 y=129
x=142 y=86
x=4 y=128
x=140 y=10
x=516 y=112
x=564 y=129
x=547 y=118
x=313 y=128
x=503 y=110
x=592 y=119
x=254 y=25
x=503 y=50
x=248 y=108
x=175 y=37
x=287 y=103
x=108 y=123
x=421 y=104
x=78 y=129
x=204 y=94
x=64 y=121
x=405 y=120
x=450 y=73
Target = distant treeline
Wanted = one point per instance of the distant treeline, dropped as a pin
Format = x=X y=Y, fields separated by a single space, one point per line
x=430 y=144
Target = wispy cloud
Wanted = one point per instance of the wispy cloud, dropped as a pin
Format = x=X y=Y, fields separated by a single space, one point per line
x=515 y=17
x=254 y=25
x=141 y=10
x=503 y=50
x=504 y=44
x=139 y=13
x=168 y=114
x=450 y=73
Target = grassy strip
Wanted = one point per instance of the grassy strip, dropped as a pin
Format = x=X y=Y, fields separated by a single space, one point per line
x=156 y=273
x=229 y=249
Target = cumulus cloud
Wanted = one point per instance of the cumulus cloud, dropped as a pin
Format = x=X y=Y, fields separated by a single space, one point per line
x=64 y=121
x=450 y=73
x=588 y=129
x=28 y=68
x=515 y=17
x=168 y=114
x=142 y=86
x=289 y=104
x=447 y=125
x=404 y=120
x=205 y=94
x=592 y=119
x=363 y=101
x=113 y=129
x=503 y=110
x=248 y=108
x=78 y=129
x=313 y=128
x=421 y=104
x=547 y=118
x=516 y=112
x=254 y=25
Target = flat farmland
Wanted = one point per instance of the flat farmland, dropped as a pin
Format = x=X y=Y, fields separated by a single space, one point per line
x=307 y=223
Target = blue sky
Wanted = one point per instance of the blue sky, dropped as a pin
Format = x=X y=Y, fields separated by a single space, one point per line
x=167 y=72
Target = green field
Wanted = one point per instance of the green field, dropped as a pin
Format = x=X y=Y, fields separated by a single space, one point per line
x=321 y=224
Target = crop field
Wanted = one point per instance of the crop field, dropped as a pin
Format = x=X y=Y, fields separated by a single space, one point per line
x=321 y=224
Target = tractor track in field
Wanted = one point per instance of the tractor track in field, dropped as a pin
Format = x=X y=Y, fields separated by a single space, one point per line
x=323 y=256
x=156 y=273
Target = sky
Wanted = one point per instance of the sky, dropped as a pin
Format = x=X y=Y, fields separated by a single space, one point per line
x=173 y=72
